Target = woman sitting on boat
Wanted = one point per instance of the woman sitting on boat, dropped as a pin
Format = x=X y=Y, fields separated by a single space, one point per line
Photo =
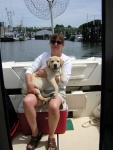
x=31 y=100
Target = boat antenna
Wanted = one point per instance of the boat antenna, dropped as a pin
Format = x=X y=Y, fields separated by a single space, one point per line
x=47 y=9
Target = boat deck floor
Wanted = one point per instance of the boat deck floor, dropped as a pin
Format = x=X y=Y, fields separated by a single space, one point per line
x=80 y=138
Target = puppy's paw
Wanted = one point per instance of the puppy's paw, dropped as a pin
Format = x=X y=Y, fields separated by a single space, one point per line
x=53 y=95
x=63 y=80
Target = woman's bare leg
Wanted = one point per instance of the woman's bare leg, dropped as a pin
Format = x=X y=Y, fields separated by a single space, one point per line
x=30 y=101
x=54 y=115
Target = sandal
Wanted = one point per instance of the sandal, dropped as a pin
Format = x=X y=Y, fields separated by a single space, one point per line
x=51 y=143
x=34 y=142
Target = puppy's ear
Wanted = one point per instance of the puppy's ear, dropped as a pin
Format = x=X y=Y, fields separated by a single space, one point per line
x=61 y=62
x=48 y=62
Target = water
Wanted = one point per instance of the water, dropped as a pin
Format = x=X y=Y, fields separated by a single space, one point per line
x=21 y=51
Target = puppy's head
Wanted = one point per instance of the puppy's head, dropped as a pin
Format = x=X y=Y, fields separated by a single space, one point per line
x=54 y=62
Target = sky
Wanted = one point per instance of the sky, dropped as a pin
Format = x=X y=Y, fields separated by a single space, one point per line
x=76 y=13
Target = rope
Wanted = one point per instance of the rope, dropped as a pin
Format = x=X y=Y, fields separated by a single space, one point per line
x=92 y=122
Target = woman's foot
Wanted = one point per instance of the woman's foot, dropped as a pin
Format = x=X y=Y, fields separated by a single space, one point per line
x=51 y=144
x=33 y=143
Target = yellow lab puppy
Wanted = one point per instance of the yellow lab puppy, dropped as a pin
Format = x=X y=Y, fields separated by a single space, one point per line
x=52 y=69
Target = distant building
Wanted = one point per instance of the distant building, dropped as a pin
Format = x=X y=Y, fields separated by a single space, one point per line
x=43 y=35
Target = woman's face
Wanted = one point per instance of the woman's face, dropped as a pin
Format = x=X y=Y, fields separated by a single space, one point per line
x=56 y=44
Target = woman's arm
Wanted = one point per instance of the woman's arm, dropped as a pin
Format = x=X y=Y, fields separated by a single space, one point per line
x=36 y=65
x=30 y=85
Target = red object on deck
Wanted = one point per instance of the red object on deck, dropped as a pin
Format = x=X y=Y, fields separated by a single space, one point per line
x=42 y=121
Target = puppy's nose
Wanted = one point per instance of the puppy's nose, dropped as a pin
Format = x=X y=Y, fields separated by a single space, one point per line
x=55 y=66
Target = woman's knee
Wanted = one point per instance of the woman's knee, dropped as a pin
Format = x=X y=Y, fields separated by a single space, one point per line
x=29 y=100
x=53 y=108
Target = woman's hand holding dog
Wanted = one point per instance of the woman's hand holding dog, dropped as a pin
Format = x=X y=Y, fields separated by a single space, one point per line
x=32 y=87
x=57 y=79
x=41 y=73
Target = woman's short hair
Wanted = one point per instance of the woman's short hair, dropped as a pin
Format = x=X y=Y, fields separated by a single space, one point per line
x=55 y=36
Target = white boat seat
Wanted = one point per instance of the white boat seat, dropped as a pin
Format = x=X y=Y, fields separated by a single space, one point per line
x=76 y=101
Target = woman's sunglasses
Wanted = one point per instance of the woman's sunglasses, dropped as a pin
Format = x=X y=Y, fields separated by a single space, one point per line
x=53 y=42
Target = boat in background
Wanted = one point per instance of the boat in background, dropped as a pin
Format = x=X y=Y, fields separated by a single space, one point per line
x=76 y=38
x=79 y=38
x=23 y=37
x=7 y=37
